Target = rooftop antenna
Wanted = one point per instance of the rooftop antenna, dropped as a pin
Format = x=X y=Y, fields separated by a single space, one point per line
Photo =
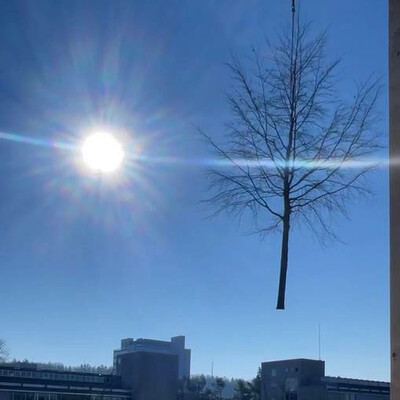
x=212 y=369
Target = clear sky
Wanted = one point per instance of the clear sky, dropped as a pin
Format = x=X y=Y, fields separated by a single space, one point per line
x=85 y=263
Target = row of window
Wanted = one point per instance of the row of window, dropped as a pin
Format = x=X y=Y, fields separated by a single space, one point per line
x=287 y=370
x=49 y=375
x=51 y=396
x=344 y=396
x=33 y=396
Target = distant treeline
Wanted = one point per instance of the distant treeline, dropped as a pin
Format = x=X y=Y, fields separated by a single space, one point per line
x=201 y=387
x=99 y=369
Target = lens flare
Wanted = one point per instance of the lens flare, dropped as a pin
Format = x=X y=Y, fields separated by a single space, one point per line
x=101 y=152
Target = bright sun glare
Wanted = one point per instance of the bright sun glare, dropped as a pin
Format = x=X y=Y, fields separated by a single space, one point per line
x=101 y=152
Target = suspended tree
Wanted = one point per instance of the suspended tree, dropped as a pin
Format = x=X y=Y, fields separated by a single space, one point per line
x=295 y=152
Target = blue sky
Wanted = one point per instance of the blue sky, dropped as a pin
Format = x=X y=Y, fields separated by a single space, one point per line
x=85 y=263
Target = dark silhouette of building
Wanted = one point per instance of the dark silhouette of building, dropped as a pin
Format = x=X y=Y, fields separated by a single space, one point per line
x=31 y=383
x=140 y=374
x=302 y=379
x=175 y=347
x=149 y=375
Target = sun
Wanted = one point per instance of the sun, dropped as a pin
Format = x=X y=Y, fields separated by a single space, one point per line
x=101 y=152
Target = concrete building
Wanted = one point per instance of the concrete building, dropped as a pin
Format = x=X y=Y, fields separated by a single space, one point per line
x=151 y=376
x=302 y=379
x=174 y=347
x=33 y=383
x=144 y=370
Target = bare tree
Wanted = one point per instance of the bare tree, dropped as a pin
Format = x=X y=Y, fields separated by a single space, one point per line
x=3 y=351
x=220 y=385
x=294 y=151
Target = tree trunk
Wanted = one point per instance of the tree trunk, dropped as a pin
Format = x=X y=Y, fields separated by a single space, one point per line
x=284 y=258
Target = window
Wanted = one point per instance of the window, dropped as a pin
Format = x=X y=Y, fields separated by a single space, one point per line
x=273 y=372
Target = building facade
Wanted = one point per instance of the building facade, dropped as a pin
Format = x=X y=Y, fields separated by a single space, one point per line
x=302 y=379
x=174 y=347
x=31 y=383
x=151 y=376
x=144 y=370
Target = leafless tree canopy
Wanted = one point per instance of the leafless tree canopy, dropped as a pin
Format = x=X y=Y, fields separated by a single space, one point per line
x=3 y=351
x=294 y=151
